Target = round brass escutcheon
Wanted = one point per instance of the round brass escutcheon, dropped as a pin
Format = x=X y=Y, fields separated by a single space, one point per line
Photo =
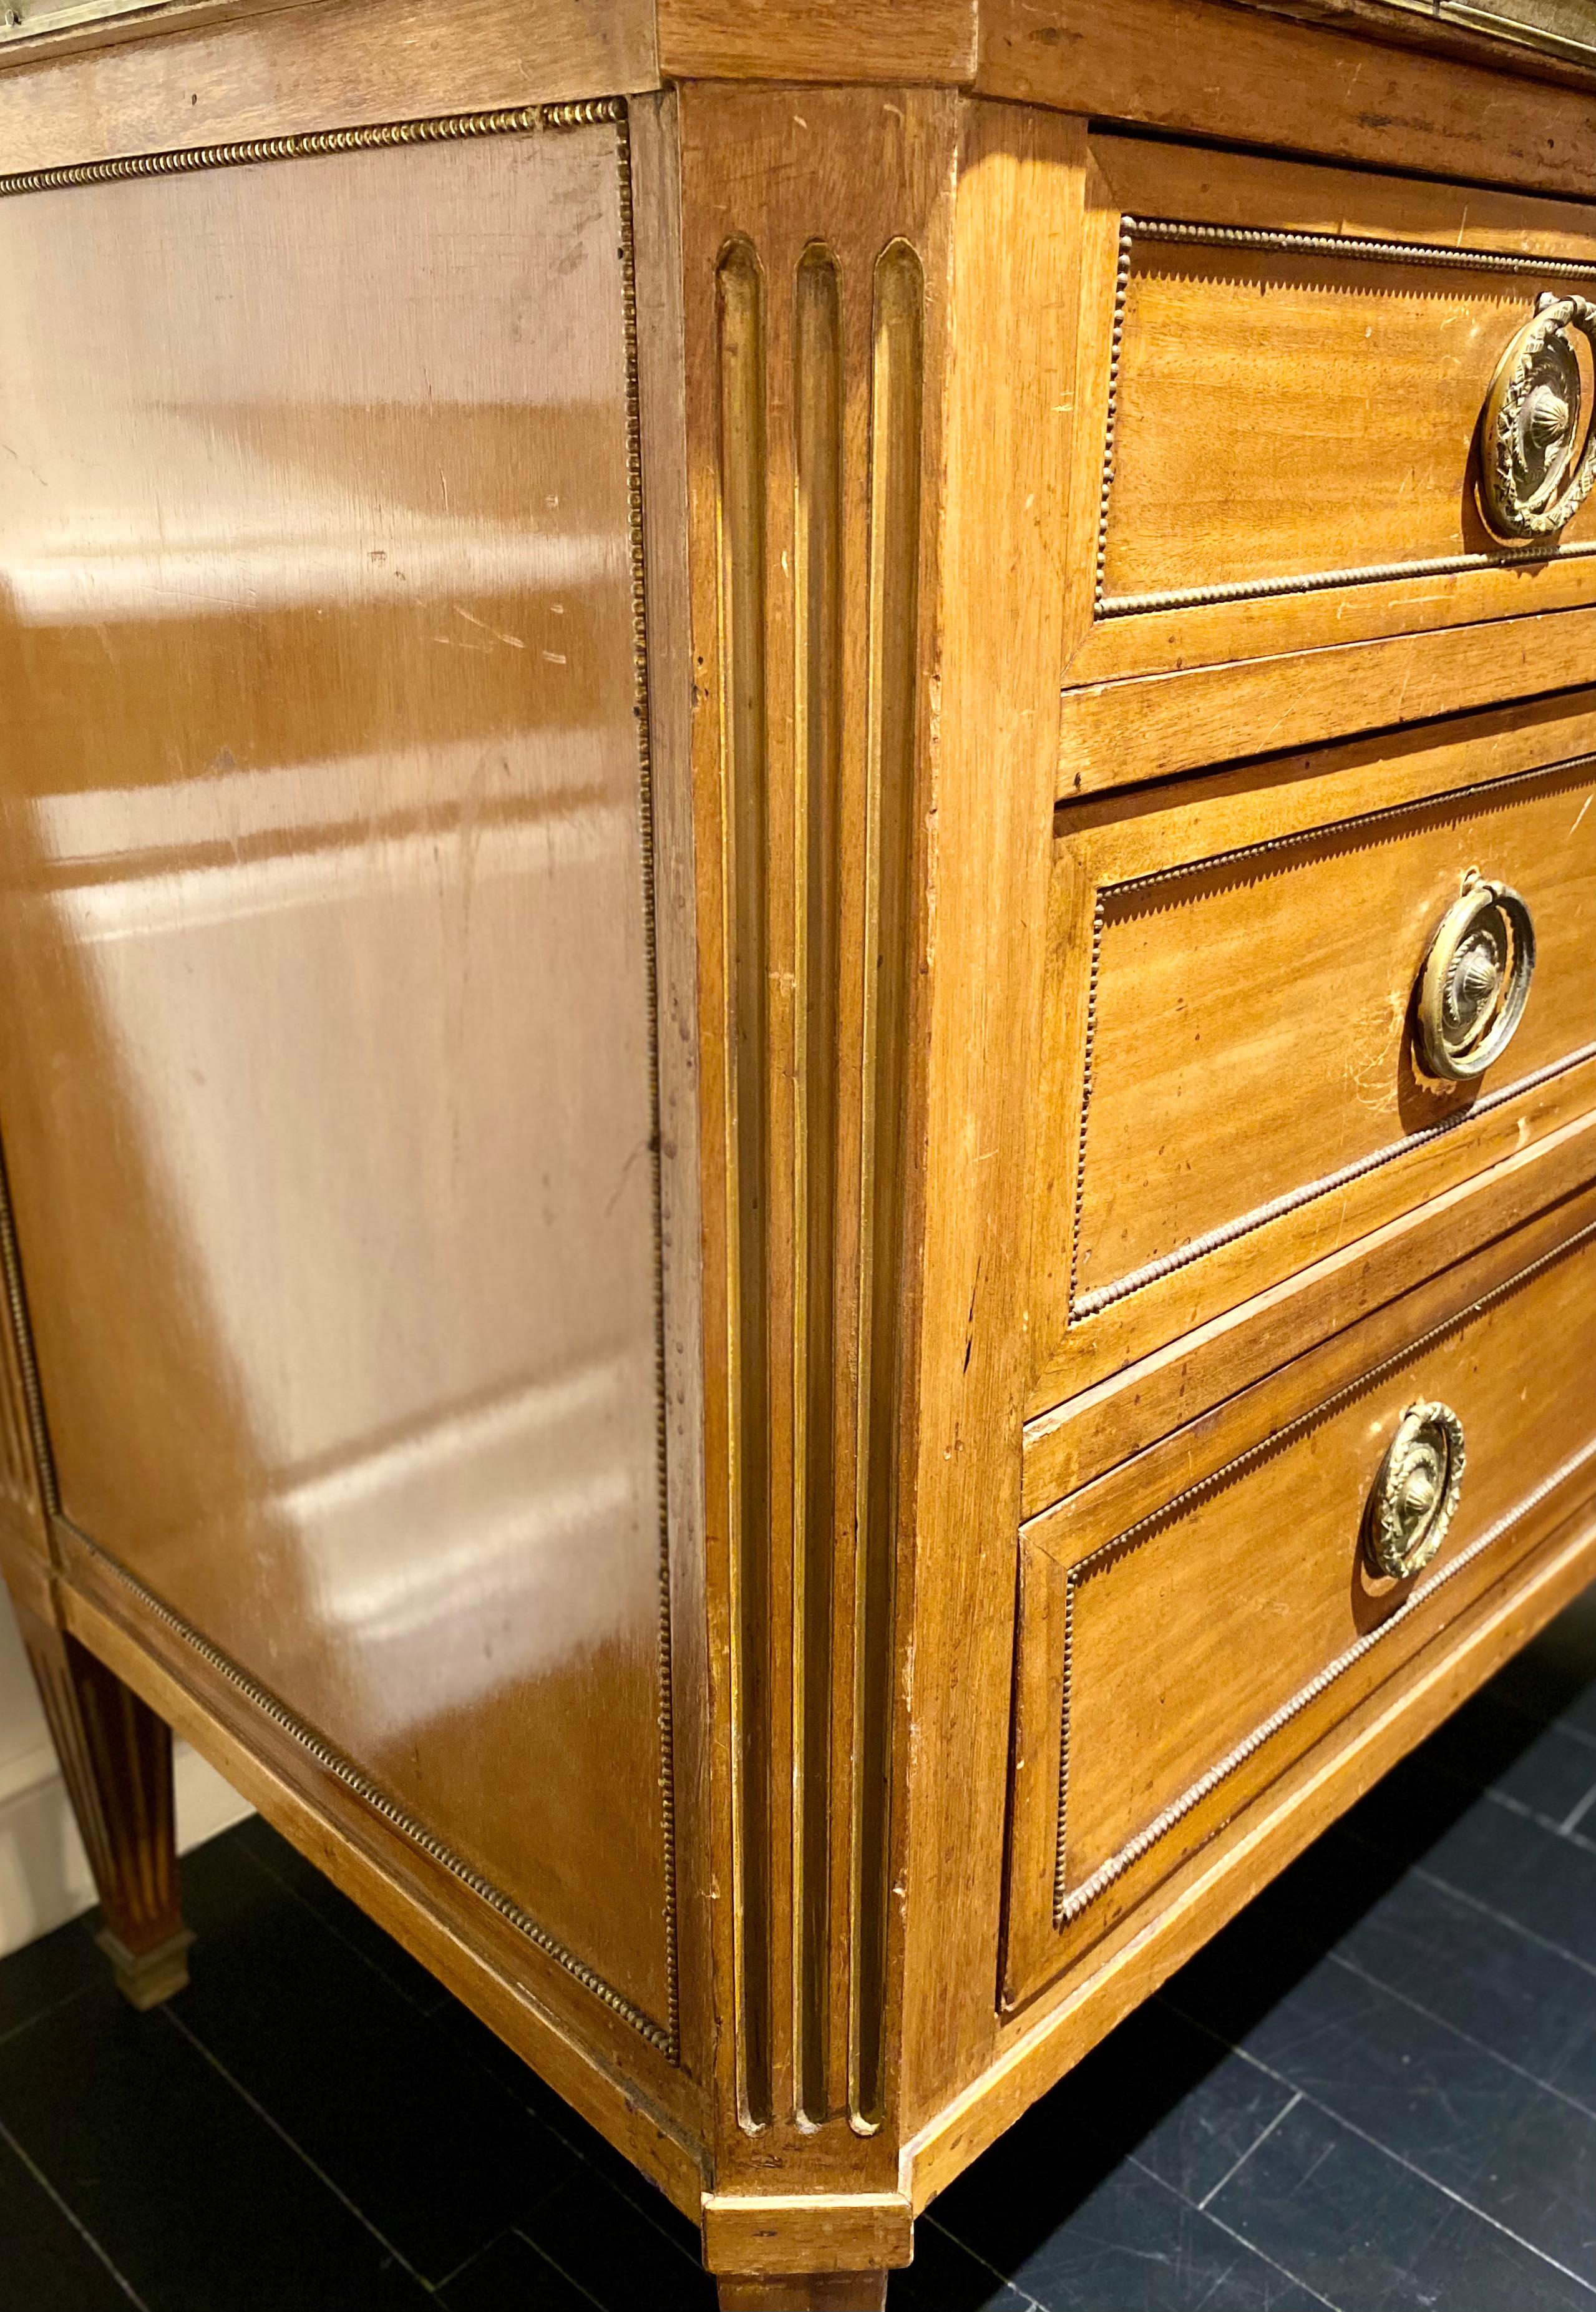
x=1416 y=1492
x=1475 y=980
x=1531 y=484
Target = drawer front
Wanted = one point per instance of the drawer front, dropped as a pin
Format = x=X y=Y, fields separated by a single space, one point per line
x=1190 y=1626
x=1236 y=1083
x=1285 y=376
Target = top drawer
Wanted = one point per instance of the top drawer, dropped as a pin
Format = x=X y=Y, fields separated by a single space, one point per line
x=1285 y=369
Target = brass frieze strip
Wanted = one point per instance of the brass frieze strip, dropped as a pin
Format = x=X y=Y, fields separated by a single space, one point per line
x=1350 y=247
x=342 y=1769
x=1490 y=794
x=314 y=144
x=1068 y=1903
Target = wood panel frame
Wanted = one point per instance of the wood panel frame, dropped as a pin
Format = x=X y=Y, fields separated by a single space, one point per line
x=1358 y=794
x=1144 y=194
x=640 y=2080
x=1054 y=1914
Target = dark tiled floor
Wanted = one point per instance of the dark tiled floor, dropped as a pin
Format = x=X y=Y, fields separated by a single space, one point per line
x=1376 y=2090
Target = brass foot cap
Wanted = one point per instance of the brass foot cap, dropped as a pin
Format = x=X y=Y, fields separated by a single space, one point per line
x=147 y=1977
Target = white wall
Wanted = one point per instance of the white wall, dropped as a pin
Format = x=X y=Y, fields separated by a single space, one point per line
x=44 y=1873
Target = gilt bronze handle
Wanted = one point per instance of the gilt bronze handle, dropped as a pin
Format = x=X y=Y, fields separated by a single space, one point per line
x=1475 y=980
x=1530 y=484
x=1416 y=1492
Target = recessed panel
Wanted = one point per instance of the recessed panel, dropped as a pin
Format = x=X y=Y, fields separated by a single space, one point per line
x=1237 y=1084
x=326 y=1081
x=1193 y=1624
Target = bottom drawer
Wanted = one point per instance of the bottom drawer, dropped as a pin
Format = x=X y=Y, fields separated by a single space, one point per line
x=1193 y=1623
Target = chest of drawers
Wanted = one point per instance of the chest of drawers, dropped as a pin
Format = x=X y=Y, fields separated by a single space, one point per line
x=799 y=960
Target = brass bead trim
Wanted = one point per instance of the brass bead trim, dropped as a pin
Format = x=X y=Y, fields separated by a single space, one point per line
x=344 y=1770
x=450 y=128
x=614 y=109
x=1349 y=246
x=1085 y=1305
x=317 y=145
x=1068 y=1903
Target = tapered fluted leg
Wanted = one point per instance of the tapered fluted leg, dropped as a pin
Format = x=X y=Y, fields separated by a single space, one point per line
x=814 y=2291
x=116 y=1760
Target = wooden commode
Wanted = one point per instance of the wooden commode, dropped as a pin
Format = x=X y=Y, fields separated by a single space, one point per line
x=799 y=954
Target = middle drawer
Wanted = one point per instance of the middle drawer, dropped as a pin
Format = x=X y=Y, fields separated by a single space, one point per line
x=1256 y=983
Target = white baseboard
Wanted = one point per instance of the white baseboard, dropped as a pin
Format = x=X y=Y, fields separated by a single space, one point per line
x=44 y=1873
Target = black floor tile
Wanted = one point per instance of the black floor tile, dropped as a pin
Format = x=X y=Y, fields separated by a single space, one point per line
x=1545 y=1884
x=609 y=2250
x=945 y=2277
x=1554 y=1676
x=45 y=2263
x=1203 y=2138
x=1369 y=2235
x=192 y=2197
x=1158 y=2087
x=1486 y=1978
x=1449 y=2108
x=1281 y=1936
x=484 y=2048
x=346 y=1919
x=1549 y=1769
x=511 y=2276
x=1375 y=2090
x=42 y=1973
x=1131 y=2244
x=436 y=2155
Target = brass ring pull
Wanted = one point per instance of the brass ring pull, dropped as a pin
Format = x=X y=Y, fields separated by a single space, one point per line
x=1475 y=981
x=1416 y=1492
x=1531 y=425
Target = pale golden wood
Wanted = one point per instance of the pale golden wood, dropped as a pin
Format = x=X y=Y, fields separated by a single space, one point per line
x=807 y=2232
x=328 y=64
x=1363 y=380
x=1040 y=2046
x=584 y=2073
x=1187 y=65
x=1120 y=733
x=1002 y=610
x=818 y=39
x=815 y=336
x=1257 y=1587
x=1169 y=1015
x=873 y=325
x=655 y=209
x=362 y=1409
x=1146 y=1399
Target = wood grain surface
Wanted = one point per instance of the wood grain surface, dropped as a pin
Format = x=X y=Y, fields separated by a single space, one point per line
x=1172 y=1014
x=1187 y=65
x=325 y=63
x=329 y=1110
x=1240 y=1539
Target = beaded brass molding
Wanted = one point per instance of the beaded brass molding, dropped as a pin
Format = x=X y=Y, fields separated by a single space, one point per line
x=332 y=1761
x=448 y=128
x=1491 y=792
x=1068 y=1903
x=1353 y=248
